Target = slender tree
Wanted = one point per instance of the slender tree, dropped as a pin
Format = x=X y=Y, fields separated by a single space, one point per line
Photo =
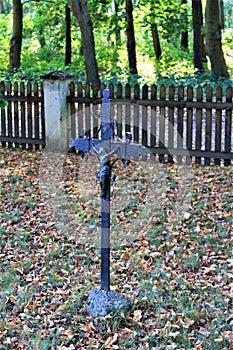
x=16 y=40
x=184 y=34
x=213 y=39
x=221 y=15
x=156 y=41
x=154 y=31
x=2 y=10
x=197 y=34
x=116 y=23
x=68 y=52
x=131 y=43
x=80 y=10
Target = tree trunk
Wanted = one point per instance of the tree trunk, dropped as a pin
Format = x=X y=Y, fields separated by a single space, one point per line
x=221 y=16
x=213 y=39
x=40 y=36
x=197 y=34
x=2 y=10
x=154 y=32
x=116 y=22
x=156 y=42
x=16 y=40
x=184 y=34
x=68 y=37
x=131 y=44
x=80 y=10
x=184 y=39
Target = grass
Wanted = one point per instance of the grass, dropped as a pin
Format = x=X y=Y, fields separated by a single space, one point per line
x=175 y=270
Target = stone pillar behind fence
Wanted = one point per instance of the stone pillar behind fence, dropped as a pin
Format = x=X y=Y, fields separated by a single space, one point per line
x=57 y=110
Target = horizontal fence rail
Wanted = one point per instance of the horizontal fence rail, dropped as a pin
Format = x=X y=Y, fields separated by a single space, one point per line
x=22 y=122
x=175 y=124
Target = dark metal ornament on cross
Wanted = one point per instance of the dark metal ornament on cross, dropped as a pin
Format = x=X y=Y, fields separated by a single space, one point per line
x=104 y=149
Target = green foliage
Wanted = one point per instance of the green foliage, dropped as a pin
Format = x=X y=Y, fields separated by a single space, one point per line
x=44 y=43
x=5 y=32
x=170 y=16
x=194 y=79
x=228 y=13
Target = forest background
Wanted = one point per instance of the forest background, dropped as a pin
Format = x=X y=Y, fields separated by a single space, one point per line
x=168 y=24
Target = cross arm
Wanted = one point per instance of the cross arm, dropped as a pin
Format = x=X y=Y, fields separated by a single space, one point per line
x=84 y=144
x=122 y=149
x=126 y=150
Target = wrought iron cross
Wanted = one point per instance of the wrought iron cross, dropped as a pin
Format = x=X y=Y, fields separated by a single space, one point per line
x=104 y=149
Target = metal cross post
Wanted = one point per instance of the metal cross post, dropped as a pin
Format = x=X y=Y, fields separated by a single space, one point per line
x=104 y=149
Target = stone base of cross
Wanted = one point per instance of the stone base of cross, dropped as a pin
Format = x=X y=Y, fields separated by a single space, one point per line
x=102 y=301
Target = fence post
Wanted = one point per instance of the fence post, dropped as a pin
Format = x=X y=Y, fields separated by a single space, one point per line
x=57 y=110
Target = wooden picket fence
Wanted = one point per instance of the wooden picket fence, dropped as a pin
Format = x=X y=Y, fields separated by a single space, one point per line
x=22 y=122
x=175 y=124
x=182 y=125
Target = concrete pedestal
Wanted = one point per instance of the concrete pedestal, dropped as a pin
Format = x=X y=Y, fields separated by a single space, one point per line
x=57 y=110
x=100 y=303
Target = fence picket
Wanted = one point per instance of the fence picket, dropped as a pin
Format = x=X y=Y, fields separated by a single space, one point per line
x=199 y=125
x=80 y=110
x=153 y=116
x=72 y=111
x=136 y=113
x=180 y=124
x=228 y=125
x=119 y=110
x=42 y=117
x=36 y=114
x=112 y=105
x=189 y=136
x=208 y=129
x=87 y=111
x=23 y=115
x=16 y=114
x=111 y=89
x=218 y=125
x=95 y=108
x=171 y=97
x=29 y=114
x=145 y=116
x=162 y=123
x=9 y=113
x=127 y=108
x=3 y=115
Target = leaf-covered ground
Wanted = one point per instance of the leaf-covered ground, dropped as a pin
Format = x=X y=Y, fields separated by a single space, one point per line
x=171 y=255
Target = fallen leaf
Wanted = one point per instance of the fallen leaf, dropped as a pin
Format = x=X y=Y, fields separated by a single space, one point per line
x=137 y=315
x=187 y=216
x=188 y=322
x=61 y=307
x=173 y=334
x=110 y=341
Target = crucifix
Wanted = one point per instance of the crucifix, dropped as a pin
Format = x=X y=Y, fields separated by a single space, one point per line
x=104 y=149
